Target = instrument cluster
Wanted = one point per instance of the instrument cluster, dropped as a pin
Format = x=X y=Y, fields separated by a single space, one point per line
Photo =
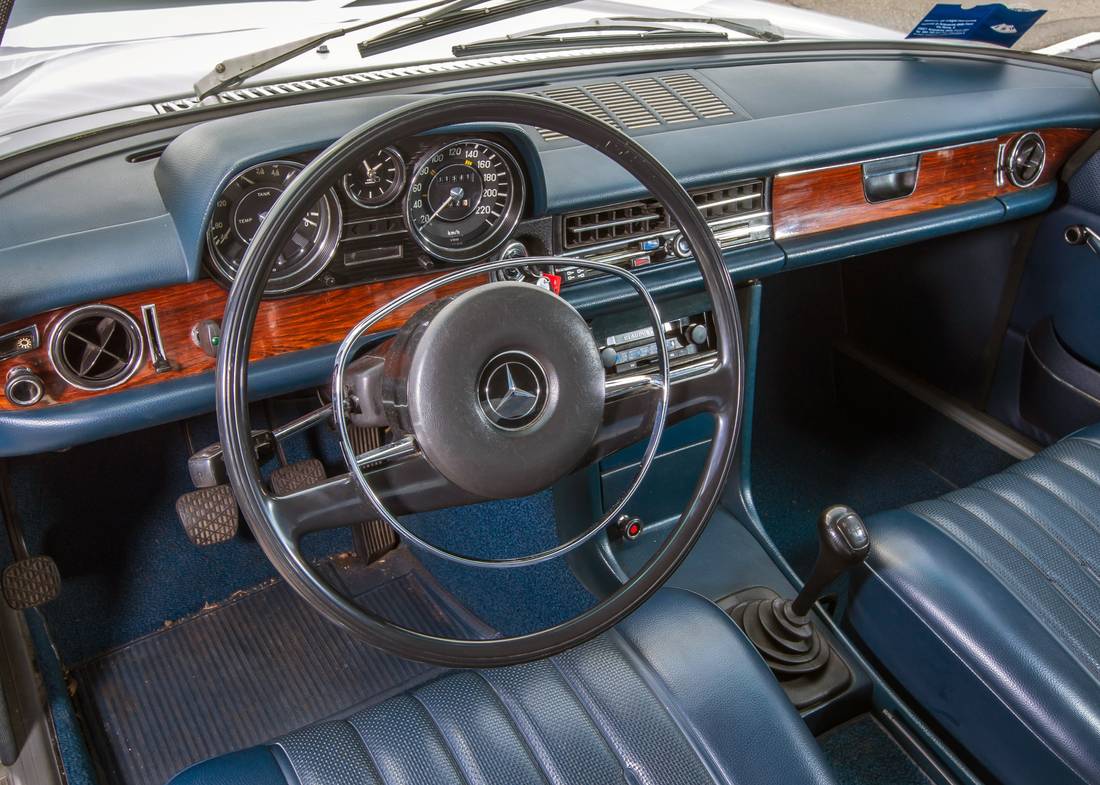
x=399 y=211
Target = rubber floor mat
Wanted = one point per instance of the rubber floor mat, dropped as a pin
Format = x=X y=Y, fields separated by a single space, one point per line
x=253 y=668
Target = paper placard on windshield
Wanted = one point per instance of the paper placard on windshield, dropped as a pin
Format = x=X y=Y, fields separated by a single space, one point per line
x=994 y=23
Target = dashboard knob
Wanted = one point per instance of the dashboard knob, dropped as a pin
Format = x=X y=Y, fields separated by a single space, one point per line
x=608 y=356
x=697 y=334
x=207 y=335
x=514 y=250
x=680 y=246
x=23 y=386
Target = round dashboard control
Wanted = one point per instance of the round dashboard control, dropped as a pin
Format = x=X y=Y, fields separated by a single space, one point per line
x=23 y=386
x=244 y=204
x=376 y=180
x=464 y=199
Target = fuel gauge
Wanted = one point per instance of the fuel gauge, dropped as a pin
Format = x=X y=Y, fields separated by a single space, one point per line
x=376 y=180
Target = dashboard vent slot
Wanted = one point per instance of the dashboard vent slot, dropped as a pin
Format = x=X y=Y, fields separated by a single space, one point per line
x=718 y=203
x=736 y=212
x=613 y=223
x=640 y=103
x=1026 y=160
x=96 y=347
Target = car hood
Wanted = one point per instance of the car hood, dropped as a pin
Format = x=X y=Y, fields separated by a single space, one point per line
x=128 y=59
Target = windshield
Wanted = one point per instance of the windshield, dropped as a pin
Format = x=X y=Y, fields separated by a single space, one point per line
x=63 y=59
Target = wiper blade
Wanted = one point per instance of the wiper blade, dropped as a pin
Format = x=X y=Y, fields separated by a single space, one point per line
x=623 y=30
x=451 y=22
x=437 y=16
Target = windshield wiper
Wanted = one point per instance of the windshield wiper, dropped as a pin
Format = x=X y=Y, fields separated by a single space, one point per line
x=619 y=31
x=440 y=16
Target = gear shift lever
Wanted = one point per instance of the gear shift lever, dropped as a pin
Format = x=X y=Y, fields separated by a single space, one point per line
x=843 y=542
x=782 y=630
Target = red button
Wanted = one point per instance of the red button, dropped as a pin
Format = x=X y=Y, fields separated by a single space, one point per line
x=640 y=261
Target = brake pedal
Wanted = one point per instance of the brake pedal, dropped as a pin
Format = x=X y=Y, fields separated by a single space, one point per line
x=208 y=515
x=297 y=476
x=31 y=582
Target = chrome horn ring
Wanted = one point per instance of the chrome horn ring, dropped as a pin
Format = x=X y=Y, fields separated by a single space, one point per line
x=341 y=404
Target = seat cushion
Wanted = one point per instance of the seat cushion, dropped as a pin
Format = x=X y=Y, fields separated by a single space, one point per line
x=984 y=605
x=675 y=694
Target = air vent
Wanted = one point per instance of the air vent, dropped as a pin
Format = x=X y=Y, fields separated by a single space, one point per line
x=96 y=347
x=641 y=103
x=613 y=223
x=1026 y=159
x=728 y=201
x=720 y=206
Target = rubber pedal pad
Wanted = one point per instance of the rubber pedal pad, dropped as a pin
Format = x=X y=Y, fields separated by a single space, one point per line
x=297 y=476
x=208 y=515
x=30 y=582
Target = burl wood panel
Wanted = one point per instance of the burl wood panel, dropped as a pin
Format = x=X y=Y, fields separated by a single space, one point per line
x=821 y=200
x=286 y=325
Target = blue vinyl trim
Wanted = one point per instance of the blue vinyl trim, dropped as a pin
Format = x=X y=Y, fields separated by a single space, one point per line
x=1021 y=204
x=58 y=427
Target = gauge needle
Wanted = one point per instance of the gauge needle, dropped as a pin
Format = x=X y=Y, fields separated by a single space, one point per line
x=456 y=193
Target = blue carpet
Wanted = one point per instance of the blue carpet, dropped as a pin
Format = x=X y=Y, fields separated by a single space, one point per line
x=875 y=450
x=514 y=601
x=861 y=753
x=105 y=512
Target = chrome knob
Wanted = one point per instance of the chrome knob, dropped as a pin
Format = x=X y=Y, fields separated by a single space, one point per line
x=23 y=386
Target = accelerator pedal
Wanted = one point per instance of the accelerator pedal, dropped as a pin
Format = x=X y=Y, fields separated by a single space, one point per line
x=373 y=538
x=208 y=515
x=30 y=582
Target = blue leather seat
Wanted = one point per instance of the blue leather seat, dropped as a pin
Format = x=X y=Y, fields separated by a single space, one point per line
x=984 y=605
x=675 y=694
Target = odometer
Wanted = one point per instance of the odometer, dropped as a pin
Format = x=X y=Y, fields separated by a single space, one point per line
x=244 y=204
x=464 y=200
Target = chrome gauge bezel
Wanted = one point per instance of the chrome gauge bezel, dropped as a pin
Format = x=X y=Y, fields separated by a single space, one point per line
x=319 y=256
x=500 y=233
x=396 y=190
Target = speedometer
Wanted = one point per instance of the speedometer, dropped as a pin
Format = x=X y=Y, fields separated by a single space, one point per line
x=464 y=200
x=244 y=204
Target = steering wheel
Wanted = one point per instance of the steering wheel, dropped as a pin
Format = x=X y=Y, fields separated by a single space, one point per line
x=495 y=393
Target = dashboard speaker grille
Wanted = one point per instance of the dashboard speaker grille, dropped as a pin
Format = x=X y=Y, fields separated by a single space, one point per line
x=644 y=102
x=96 y=347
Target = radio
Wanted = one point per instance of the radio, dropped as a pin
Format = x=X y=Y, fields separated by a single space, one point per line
x=634 y=350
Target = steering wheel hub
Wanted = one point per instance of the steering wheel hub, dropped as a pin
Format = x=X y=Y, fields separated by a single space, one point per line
x=502 y=387
x=513 y=390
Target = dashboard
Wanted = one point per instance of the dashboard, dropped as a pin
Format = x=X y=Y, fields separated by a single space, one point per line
x=112 y=306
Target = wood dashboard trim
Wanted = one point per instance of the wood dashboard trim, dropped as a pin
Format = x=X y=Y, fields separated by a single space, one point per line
x=284 y=325
x=828 y=198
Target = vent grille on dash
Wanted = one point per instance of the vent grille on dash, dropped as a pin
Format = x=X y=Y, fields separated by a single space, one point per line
x=640 y=103
x=613 y=223
x=647 y=216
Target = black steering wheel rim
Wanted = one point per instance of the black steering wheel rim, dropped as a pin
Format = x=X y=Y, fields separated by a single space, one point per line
x=429 y=115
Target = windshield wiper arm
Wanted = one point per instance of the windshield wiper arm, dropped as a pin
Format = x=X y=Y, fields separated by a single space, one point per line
x=437 y=16
x=571 y=36
x=625 y=30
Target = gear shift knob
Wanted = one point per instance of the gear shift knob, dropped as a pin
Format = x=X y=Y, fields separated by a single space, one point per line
x=843 y=542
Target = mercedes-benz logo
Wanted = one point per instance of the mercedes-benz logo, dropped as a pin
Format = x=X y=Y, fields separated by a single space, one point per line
x=512 y=390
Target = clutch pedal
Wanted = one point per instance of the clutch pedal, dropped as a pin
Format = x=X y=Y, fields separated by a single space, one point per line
x=208 y=515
